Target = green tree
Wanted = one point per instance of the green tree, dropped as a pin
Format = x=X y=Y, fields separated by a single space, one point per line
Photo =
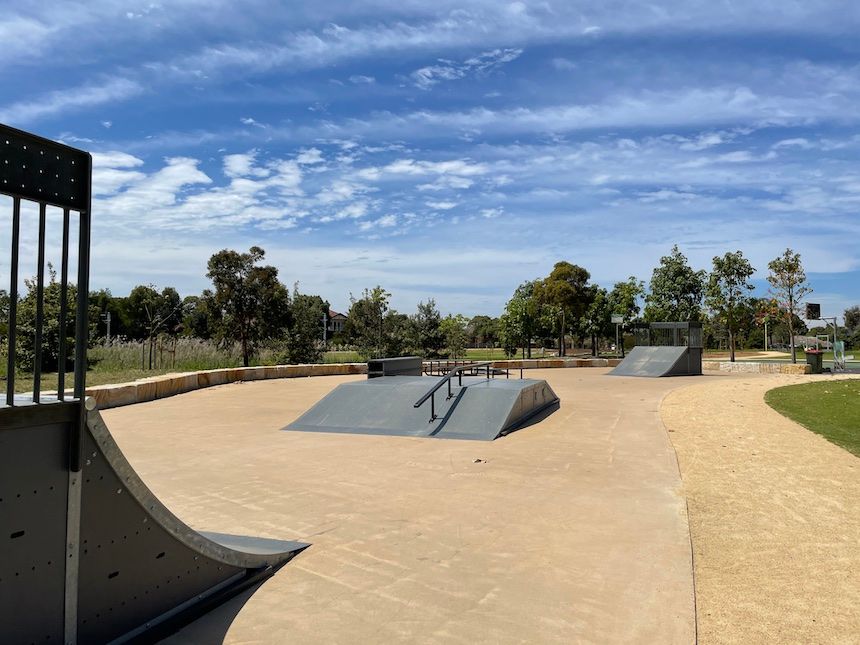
x=566 y=289
x=520 y=321
x=52 y=331
x=788 y=286
x=726 y=291
x=454 y=330
x=676 y=290
x=851 y=320
x=250 y=302
x=398 y=334
x=304 y=337
x=4 y=314
x=596 y=322
x=483 y=331
x=427 y=337
x=197 y=317
x=365 y=325
x=624 y=301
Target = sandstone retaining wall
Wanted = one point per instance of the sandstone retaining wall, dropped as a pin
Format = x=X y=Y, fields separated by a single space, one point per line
x=159 y=387
x=754 y=367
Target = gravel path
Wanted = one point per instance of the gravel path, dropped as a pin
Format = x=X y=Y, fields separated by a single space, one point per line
x=774 y=515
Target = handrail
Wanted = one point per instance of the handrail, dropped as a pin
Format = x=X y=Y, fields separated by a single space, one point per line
x=447 y=379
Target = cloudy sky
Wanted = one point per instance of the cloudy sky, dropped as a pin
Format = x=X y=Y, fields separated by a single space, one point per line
x=450 y=149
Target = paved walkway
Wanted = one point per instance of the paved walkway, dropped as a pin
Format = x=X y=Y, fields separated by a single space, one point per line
x=571 y=530
x=774 y=514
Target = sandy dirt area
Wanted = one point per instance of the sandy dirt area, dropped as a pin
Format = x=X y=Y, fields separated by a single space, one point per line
x=573 y=530
x=774 y=515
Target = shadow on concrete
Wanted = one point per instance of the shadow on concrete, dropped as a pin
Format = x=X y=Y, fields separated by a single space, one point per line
x=213 y=626
x=534 y=419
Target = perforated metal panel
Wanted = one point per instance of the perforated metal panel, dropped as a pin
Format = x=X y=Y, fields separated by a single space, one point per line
x=131 y=568
x=33 y=496
x=43 y=171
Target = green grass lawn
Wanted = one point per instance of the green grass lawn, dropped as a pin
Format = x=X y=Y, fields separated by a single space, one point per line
x=347 y=356
x=829 y=408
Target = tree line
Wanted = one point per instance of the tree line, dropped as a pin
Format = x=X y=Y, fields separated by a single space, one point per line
x=565 y=304
x=248 y=305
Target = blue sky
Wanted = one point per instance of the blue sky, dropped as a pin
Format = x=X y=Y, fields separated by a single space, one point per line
x=450 y=149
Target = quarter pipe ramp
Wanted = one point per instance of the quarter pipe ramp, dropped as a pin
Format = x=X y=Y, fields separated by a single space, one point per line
x=660 y=361
x=93 y=556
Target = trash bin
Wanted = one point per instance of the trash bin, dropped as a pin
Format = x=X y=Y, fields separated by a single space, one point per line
x=815 y=359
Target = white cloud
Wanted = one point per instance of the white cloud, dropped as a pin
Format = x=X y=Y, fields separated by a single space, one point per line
x=309 y=156
x=447 y=70
x=462 y=167
x=73 y=98
x=360 y=79
x=242 y=165
x=441 y=205
x=563 y=64
x=247 y=120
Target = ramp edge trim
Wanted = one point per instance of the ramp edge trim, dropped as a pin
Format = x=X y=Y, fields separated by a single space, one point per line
x=171 y=523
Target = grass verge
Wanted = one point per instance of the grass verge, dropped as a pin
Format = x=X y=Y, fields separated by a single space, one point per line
x=831 y=409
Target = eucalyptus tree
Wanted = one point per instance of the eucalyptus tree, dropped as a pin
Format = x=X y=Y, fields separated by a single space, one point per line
x=249 y=304
x=728 y=284
x=676 y=290
x=788 y=286
x=624 y=301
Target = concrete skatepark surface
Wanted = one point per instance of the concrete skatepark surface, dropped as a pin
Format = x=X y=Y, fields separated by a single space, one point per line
x=571 y=530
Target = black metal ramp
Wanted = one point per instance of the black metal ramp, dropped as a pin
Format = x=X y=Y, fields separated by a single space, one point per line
x=654 y=361
x=481 y=409
x=94 y=556
x=87 y=553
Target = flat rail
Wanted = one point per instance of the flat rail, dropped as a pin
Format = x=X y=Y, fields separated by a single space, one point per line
x=458 y=371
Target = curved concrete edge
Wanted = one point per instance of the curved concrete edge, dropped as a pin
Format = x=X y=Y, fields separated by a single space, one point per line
x=755 y=367
x=159 y=387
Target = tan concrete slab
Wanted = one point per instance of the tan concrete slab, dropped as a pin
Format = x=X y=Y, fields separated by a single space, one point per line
x=571 y=530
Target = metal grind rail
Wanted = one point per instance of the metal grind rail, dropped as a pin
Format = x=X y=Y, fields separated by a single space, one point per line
x=440 y=368
x=431 y=393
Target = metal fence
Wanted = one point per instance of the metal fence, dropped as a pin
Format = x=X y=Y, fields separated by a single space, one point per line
x=670 y=334
x=50 y=175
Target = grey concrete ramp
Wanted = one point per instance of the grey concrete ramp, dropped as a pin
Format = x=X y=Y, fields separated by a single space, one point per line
x=481 y=409
x=654 y=361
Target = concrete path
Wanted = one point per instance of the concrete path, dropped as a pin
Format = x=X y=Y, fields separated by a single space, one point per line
x=571 y=530
x=774 y=514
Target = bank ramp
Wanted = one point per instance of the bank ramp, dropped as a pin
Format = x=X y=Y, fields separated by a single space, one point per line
x=660 y=361
x=479 y=408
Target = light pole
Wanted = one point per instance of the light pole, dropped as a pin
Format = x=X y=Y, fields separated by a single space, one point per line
x=106 y=318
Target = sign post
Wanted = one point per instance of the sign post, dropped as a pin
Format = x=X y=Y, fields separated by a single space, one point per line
x=617 y=320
